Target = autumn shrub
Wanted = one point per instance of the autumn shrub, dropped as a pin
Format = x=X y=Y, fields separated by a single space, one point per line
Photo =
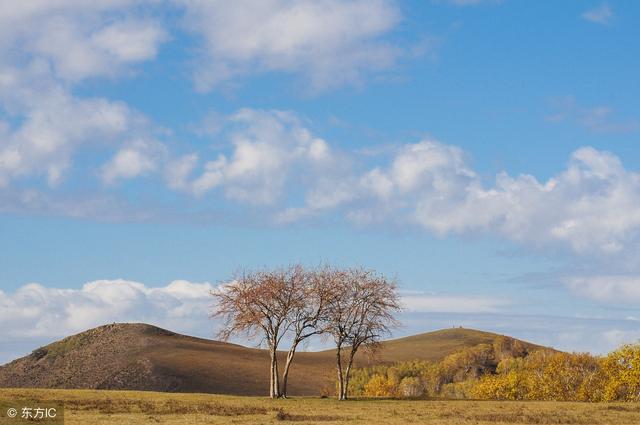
x=622 y=369
x=379 y=386
x=546 y=375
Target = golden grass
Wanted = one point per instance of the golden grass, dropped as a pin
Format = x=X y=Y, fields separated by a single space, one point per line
x=135 y=407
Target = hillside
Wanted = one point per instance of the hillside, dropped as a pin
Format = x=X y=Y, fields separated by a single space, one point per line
x=434 y=346
x=144 y=357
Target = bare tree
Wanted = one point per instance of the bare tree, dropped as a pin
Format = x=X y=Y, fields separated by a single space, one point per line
x=310 y=297
x=355 y=306
x=360 y=311
x=257 y=303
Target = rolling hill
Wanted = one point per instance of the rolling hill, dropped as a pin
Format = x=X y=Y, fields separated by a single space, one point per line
x=144 y=357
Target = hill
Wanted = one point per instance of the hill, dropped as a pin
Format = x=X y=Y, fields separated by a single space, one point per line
x=434 y=346
x=144 y=357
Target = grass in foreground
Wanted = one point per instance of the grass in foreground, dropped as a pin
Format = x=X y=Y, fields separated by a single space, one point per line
x=135 y=407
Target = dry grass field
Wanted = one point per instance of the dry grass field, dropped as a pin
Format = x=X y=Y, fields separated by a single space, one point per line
x=134 y=407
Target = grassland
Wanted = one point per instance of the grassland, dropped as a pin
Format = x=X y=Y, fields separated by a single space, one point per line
x=134 y=407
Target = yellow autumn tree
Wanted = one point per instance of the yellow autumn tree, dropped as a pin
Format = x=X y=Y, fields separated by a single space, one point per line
x=545 y=375
x=622 y=368
x=571 y=377
x=379 y=386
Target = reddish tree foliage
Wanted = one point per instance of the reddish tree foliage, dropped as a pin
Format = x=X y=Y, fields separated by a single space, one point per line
x=361 y=311
x=258 y=304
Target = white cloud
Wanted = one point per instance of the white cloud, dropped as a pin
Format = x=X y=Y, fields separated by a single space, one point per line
x=139 y=158
x=55 y=125
x=599 y=15
x=178 y=171
x=329 y=42
x=591 y=206
x=424 y=165
x=130 y=41
x=618 y=289
x=77 y=55
x=268 y=148
x=36 y=311
x=79 y=39
x=45 y=48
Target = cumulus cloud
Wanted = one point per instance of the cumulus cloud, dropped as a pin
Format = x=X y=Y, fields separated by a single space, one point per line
x=139 y=158
x=591 y=206
x=328 y=42
x=37 y=311
x=45 y=48
x=79 y=39
x=267 y=148
x=598 y=15
x=55 y=125
x=130 y=41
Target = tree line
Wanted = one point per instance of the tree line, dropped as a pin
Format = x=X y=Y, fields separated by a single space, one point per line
x=546 y=375
x=355 y=307
x=506 y=370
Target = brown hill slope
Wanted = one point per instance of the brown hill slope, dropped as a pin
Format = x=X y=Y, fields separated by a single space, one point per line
x=144 y=357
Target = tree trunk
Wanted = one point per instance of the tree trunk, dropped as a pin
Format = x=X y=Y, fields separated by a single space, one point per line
x=340 y=376
x=347 y=373
x=274 y=390
x=271 y=365
x=285 y=373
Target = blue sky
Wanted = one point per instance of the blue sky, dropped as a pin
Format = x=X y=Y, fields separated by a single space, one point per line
x=484 y=152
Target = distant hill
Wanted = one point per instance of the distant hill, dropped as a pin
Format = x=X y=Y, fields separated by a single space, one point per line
x=144 y=357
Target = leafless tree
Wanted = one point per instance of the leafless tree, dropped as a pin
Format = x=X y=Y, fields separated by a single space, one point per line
x=272 y=305
x=361 y=311
x=257 y=304
x=355 y=306
x=308 y=310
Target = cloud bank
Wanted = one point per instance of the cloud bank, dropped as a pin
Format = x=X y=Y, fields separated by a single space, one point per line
x=37 y=311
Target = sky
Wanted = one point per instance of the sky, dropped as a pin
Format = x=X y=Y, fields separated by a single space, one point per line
x=482 y=152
